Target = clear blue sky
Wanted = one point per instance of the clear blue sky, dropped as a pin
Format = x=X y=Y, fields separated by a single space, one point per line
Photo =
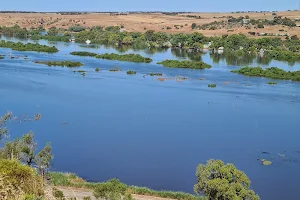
x=148 y=5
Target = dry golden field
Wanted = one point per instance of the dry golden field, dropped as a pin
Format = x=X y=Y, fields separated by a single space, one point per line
x=144 y=21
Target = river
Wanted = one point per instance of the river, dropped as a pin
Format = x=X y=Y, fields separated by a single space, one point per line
x=154 y=133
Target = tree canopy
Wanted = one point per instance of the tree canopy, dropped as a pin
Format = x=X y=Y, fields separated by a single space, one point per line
x=223 y=182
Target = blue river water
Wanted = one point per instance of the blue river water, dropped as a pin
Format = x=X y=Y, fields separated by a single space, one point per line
x=154 y=133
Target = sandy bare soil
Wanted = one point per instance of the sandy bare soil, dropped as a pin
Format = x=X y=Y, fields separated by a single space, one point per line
x=81 y=193
x=142 y=22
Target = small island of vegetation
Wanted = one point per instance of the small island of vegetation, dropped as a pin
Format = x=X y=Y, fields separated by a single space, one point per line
x=19 y=46
x=69 y=64
x=125 y=57
x=272 y=72
x=272 y=83
x=212 y=85
x=130 y=72
x=155 y=74
x=83 y=53
x=185 y=64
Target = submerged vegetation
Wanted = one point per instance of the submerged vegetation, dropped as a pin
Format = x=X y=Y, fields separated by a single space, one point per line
x=19 y=46
x=116 y=69
x=113 y=56
x=83 y=53
x=155 y=74
x=212 y=85
x=125 y=57
x=130 y=72
x=185 y=64
x=69 y=64
x=272 y=72
x=272 y=83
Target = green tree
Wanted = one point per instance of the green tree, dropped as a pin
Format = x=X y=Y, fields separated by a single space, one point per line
x=127 y=40
x=3 y=129
x=44 y=158
x=53 y=31
x=223 y=182
x=28 y=146
x=194 y=25
x=11 y=150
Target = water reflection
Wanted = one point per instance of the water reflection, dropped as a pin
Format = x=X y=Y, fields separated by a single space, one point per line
x=182 y=53
x=232 y=59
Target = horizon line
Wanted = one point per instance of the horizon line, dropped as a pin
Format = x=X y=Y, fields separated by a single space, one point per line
x=150 y=11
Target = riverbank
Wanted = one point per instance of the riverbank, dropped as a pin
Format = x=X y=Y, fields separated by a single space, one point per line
x=69 y=181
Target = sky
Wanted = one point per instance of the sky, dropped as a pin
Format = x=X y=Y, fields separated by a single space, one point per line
x=150 y=5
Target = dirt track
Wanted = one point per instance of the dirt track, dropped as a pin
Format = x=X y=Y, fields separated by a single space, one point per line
x=81 y=193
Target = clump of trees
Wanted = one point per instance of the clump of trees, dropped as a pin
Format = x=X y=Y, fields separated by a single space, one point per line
x=223 y=181
x=185 y=64
x=283 y=55
x=69 y=64
x=76 y=28
x=272 y=72
x=19 y=46
x=17 y=177
x=125 y=57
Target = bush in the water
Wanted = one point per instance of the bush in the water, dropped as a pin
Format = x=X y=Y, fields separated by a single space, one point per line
x=125 y=57
x=272 y=72
x=185 y=64
x=83 y=53
x=130 y=72
x=155 y=74
x=68 y=63
x=19 y=46
x=97 y=69
x=272 y=83
x=212 y=85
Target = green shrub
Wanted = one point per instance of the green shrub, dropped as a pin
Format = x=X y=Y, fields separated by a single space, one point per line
x=112 y=189
x=283 y=55
x=185 y=64
x=125 y=57
x=130 y=72
x=83 y=53
x=87 y=198
x=212 y=85
x=260 y=26
x=272 y=83
x=272 y=72
x=155 y=74
x=97 y=69
x=69 y=64
x=19 y=46
x=58 y=193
